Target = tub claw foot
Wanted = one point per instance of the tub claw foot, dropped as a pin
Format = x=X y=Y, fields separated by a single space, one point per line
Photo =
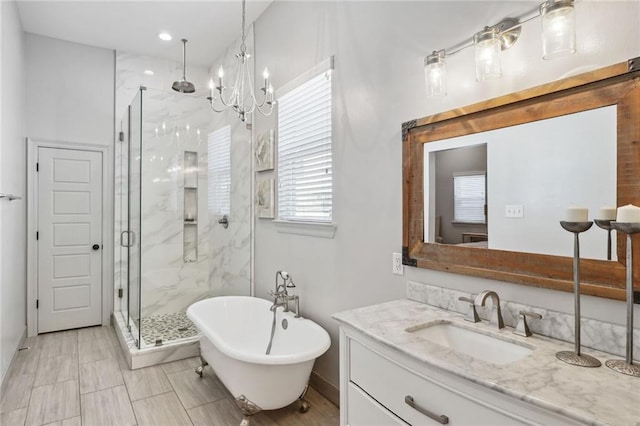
x=200 y=368
x=304 y=404
x=248 y=409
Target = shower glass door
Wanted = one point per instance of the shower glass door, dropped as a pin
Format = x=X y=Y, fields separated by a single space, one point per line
x=134 y=216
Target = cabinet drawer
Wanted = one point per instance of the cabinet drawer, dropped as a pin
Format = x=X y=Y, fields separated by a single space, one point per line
x=364 y=411
x=389 y=384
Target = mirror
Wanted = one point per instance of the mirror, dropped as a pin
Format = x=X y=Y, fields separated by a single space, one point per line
x=526 y=176
x=573 y=141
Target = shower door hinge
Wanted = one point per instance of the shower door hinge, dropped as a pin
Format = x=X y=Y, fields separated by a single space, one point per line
x=37 y=167
x=37 y=235
x=120 y=293
x=37 y=303
x=121 y=136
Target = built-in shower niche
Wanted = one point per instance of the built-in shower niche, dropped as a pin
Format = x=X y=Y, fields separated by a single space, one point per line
x=190 y=216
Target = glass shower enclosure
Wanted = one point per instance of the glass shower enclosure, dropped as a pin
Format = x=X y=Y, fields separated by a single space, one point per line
x=163 y=255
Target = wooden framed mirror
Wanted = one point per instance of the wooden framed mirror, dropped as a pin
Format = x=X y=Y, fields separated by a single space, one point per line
x=615 y=86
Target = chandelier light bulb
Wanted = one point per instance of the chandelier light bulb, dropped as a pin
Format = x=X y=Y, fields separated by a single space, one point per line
x=435 y=74
x=488 y=50
x=558 y=28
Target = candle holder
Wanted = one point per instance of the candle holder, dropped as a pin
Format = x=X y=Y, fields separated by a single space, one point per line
x=575 y=357
x=606 y=225
x=627 y=366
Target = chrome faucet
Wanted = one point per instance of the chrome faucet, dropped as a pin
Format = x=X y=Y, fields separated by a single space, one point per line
x=282 y=297
x=496 y=313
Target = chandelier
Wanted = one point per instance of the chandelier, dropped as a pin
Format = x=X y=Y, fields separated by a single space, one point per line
x=241 y=97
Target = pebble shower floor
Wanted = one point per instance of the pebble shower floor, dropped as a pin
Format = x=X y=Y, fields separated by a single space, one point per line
x=167 y=327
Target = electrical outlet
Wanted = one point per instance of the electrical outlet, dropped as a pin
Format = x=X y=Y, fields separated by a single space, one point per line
x=397 y=267
x=514 y=211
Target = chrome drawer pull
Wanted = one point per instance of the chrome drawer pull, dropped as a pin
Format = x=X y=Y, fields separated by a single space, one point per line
x=411 y=403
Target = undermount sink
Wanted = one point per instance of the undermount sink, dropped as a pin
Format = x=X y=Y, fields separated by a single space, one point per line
x=478 y=345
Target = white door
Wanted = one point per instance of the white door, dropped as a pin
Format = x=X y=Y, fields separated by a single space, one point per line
x=69 y=239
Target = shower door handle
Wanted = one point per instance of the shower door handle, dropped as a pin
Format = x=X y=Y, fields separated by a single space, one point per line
x=130 y=238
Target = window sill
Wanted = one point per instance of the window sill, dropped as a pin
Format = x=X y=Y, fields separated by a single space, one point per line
x=311 y=229
x=469 y=223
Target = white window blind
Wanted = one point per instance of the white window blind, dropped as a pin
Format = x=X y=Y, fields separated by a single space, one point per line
x=219 y=169
x=304 y=151
x=469 y=196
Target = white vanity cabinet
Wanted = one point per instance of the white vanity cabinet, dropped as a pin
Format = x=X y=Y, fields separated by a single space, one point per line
x=383 y=386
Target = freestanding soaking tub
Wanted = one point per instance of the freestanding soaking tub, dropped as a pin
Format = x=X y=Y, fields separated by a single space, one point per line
x=234 y=335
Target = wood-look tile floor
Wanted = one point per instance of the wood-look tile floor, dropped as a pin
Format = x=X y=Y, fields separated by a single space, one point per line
x=80 y=377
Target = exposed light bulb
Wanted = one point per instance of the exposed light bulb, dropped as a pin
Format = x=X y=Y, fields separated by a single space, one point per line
x=165 y=36
x=265 y=73
x=220 y=72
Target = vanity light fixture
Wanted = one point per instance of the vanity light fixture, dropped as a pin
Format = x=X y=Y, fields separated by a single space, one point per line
x=242 y=98
x=558 y=28
x=435 y=73
x=558 y=39
x=488 y=54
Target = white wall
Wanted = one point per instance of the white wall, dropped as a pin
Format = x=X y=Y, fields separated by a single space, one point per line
x=379 y=47
x=70 y=95
x=12 y=180
x=70 y=98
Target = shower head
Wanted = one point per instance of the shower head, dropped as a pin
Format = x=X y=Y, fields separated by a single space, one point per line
x=184 y=86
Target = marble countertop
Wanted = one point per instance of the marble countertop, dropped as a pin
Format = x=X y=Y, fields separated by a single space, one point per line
x=593 y=396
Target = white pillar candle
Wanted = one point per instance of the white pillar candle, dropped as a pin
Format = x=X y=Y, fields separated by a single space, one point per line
x=577 y=214
x=628 y=214
x=607 y=213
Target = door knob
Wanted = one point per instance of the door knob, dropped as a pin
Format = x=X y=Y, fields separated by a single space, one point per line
x=96 y=247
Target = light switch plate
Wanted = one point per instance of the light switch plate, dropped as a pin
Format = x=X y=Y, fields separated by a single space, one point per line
x=514 y=211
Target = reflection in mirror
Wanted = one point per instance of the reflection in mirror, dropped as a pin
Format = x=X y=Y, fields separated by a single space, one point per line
x=534 y=171
x=460 y=196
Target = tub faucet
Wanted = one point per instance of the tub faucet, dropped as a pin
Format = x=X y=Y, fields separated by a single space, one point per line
x=496 y=313
x=281 y=296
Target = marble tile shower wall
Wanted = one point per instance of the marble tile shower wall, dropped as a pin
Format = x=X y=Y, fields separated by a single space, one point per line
x=230 y=250
x=595 y=334
x=172 y=124
x=223 y=267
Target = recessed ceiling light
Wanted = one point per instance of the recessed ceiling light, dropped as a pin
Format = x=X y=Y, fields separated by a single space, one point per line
x=148 y=72
x=165 y=36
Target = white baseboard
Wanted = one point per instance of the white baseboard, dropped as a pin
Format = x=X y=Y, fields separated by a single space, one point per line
x=5 y=375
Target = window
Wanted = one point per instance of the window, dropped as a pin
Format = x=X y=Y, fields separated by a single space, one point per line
x=219 y=168
x=469 y=197
x=304 y=151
